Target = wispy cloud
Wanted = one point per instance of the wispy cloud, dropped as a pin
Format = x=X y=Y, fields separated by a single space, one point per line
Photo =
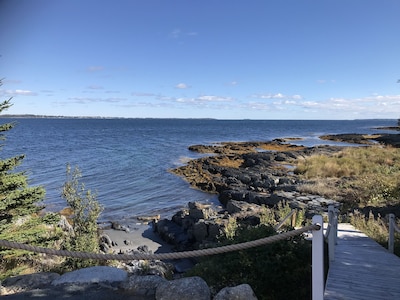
x=205 y=100
x=19 y=93
x=182 y=86
x=323 y=81
x=215 y=99
x=139 y=94
x=95 y=99
x=177 y=33
x=95 y=68
x=11 y=81
x=95 y=87
x=277 y=96
x=112 y=92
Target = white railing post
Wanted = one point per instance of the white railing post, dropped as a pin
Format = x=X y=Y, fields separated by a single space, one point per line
x=392 y=223
x=318 y=259
x=336 y=225
x=332 y=232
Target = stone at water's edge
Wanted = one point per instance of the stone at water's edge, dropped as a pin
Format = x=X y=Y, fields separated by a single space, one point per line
x=21 y=283
x=93 y=275
x=95 y=283
x=189 y=288
x=143 y=285
x=240 y=292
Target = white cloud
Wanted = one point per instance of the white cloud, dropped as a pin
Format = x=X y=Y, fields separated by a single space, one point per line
x=277 y=96
x=257 y=106
x=88 y=99
x=178 y=33
x=19 y=93
x=214 y=99
x=323 y=81
x=95 y=87
x=182 y=86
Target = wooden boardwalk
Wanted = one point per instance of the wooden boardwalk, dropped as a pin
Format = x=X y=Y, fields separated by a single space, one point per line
x=362 y=269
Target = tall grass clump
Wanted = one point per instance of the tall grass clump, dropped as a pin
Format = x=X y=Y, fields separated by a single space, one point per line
x=376 y=227
x=362 y=175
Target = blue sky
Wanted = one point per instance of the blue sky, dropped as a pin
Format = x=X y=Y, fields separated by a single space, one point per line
x=292 y=59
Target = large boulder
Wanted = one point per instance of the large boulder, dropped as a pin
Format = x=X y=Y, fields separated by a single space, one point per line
x=240 y=292
x=189 y=288
x=99 y=274
x=21 y=283
x=200 y=211
x=172 y=233
x=142 y=285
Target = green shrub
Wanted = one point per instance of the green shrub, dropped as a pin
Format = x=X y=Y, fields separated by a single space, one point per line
x=86 y=211
x=268 y=269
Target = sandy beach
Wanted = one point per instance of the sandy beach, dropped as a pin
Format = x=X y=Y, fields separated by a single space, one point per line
x=137 y=235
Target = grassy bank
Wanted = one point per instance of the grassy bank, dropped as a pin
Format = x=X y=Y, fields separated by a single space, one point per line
x=365 y=179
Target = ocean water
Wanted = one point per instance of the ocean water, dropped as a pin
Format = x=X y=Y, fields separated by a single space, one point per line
x=126 y=161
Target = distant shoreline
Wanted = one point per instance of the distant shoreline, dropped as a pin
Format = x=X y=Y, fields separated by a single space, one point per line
x=33 y=116
x=29 y=116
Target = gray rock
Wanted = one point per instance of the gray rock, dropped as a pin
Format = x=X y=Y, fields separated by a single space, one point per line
x=199 y=211
x=190 y=288
x=65 y=225
x=22 y=283
x=240 y=292
x=200 y=231
x=142 y=285
x=183 y=265
x=234 y=206
x=99 y=274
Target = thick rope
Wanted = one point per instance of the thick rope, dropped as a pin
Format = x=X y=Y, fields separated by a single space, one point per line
x=161 y=256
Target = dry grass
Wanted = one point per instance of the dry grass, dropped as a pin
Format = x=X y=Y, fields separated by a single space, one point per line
x=325 y=187
x=280 y=147
x=228 y=161
x=376 y=228
x=364 y=175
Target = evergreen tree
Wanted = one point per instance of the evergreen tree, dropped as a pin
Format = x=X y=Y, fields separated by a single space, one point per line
x=19 y=217
x=16 y=197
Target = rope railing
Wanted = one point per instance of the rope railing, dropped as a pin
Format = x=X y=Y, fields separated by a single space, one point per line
x=162 y=256
x=317 y=252
x=392 y=228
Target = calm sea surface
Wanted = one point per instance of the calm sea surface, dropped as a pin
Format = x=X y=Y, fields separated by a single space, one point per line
x=126 y=161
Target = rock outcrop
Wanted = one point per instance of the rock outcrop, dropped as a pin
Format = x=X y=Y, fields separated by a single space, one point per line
x=249 y=179
x=112 y=283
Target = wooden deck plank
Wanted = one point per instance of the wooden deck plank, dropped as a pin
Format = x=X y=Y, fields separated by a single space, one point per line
x=362 y=269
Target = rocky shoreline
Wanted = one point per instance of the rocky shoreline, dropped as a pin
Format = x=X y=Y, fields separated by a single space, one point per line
x=247 y=177
x=250 y=179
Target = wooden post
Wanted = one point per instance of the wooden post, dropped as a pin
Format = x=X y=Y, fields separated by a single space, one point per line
x=318 y=259
x=392 y=223
x=293 y=219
